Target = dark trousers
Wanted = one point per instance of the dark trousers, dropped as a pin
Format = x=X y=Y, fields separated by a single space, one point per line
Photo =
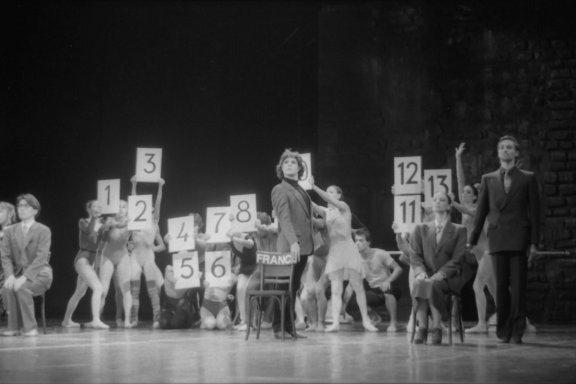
x=296 y=277
x=511 y=277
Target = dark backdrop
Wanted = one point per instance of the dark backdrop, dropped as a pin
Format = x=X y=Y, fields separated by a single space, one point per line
x=222 y=87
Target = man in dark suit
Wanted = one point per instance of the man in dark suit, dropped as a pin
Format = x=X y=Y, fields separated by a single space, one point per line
x=509 y=199
x=438 y=252
x=25 y=254
x=293 y=209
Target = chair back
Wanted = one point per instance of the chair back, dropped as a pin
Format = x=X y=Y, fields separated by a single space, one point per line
x=275 y=269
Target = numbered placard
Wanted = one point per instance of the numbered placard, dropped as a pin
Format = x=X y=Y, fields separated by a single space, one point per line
x=109 y=195
x=407 y=212
x=407 y=175
x=181 y=230
x=139 y=212
x=307 y=159
x=186 y=270
x=218 y=224
x=436 y=180
x=148 y=164
x=244 y=210
x=218 y=268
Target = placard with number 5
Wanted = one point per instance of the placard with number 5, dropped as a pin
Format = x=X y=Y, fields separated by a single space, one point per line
x=109 y=195
x=407 y=212
x=139 y=212
x=436 y=180
x=148 y=164
x=186 y=269
x=181 y=230
x=217 y=224
x=407 y=175
x=244 y=210
x=218 y=268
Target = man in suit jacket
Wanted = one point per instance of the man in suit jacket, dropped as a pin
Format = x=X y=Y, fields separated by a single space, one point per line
x=293 y=209
x=509 y=199
x=25 y=254
x=438 y=251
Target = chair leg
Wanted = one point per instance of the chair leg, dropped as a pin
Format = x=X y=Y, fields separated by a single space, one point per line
x=291 y=305
x=460 y=320
x=450 y=312
x=414 y=310
x=259 y=316
x=282 y=322
x=44 y=312
x=249 y=315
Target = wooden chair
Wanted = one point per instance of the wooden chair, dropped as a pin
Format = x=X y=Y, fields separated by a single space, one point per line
x=42 y=298
x=276 y=284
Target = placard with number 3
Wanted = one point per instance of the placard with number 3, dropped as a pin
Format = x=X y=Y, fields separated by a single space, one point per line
x=148 y=164
x=186 y=269
x=181 y=230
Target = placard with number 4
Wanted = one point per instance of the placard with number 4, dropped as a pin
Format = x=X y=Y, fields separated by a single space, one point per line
x=181 y=230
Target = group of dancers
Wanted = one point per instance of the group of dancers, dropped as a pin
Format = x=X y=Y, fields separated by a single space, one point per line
x=328 y=252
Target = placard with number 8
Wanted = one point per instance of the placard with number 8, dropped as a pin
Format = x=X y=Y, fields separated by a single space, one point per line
x=139 y=212
x=218 y=268
x=244 y=210
x=217 y=224
x=148 y=164
x=181 y=230
x=186 y=269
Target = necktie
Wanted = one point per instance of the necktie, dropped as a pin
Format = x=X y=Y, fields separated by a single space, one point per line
x=507 y=181
x=438 y=233
x=25 y=229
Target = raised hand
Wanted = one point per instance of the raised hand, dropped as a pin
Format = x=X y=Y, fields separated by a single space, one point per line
x=461 y=148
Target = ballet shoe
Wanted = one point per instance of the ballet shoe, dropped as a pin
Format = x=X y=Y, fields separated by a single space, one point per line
x=335 y=327
x=369 y=327
x=96 y=325
x=71 y=324
x=477 y=329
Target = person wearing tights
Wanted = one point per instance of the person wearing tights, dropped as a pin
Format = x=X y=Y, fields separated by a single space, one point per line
x=7 y=218
x=84 y=263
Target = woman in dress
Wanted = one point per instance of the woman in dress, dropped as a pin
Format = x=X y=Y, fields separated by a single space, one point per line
x=344 y=260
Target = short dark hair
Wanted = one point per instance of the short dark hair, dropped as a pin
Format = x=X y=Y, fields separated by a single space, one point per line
x=31 y=200
x=286 y=154
x=363 y=232
x=264 y=218
x=512 y=139
x=198 y=221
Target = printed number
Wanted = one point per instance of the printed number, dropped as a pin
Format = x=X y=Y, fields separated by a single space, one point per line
x=243 y=210
x=182 y=234
x=184 y=265
x=412 y=205
x=107 y=189
x=139 y=217
x=149 y=161
x=221 y=214
x=442 y=183
x=220 y=266
x=305 y=173
x=411 y=178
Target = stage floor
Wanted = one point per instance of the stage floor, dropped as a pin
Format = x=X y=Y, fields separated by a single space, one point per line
x=144 y=355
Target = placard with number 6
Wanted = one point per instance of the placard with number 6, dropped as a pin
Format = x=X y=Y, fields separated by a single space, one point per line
x=244 y=210
x=307 y=159
x=186 y=269
x=407 y=212
x=148 y=164
x=181 y=230
x=407 y=175
x=436 y=180
x=139 y=212
x=218 y=268
x=109 y=195
x=217 y=224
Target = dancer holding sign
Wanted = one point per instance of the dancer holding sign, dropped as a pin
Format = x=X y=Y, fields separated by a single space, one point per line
x=84 y=265
x=344 y=260
x=145 y=243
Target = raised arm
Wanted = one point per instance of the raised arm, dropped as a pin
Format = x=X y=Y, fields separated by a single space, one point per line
x=460 y=169
x=327 y=198
x=159 y=245
x=158 y=203
x=134 y=181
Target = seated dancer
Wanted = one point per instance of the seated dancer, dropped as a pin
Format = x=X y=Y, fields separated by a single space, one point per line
x=438 y=251
x=215 y=312
x=178 y=308
x=7 y=218
x=143 y=246
x=84 y=263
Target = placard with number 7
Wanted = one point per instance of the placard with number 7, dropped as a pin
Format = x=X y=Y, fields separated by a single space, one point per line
x=217 y=224
x=244 y=210
x=186 y=270
x=148 y=164
x=436 y=180
x=109 y=195
x=218 y=268
x=181 y=230
x=139 y=212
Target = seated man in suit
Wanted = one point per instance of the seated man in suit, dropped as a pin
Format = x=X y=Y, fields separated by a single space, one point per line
x=438 y=250
x=25 y=254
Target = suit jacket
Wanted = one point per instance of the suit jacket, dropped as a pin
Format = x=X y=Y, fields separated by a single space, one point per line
x=26 y=255
x=294 y=216
x=513 y=218
x=447 y=256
